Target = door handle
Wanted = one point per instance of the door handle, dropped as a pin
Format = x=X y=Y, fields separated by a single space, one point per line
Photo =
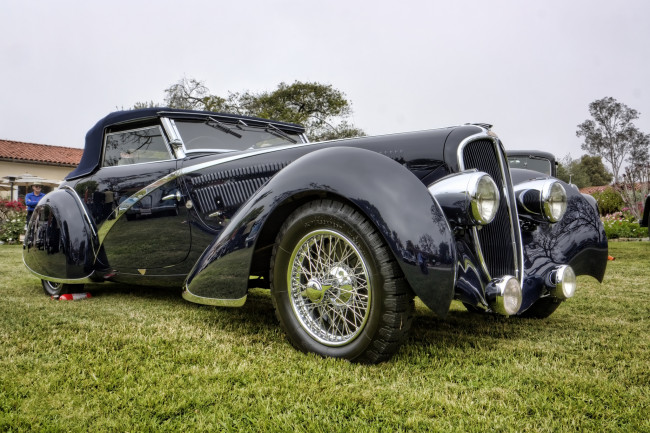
x=177 y=195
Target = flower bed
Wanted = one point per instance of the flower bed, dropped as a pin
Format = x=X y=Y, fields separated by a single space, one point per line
x=623 y=225
x=12 y=221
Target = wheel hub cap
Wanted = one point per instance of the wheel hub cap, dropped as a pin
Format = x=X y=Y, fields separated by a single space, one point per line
x=329 y=287
x=314 y=291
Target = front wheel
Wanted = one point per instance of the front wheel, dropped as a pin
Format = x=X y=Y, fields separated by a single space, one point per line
x=55 y=289
x=336 y=287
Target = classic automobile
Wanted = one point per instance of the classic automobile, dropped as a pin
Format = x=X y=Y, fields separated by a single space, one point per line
x=535 y=160
x=344 y=233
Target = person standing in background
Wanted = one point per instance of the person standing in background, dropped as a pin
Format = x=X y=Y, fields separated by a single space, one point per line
x=32 y=199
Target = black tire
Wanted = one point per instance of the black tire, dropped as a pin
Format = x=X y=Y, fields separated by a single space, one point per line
x=542 y=308
x=55 y=289
x=336 y=287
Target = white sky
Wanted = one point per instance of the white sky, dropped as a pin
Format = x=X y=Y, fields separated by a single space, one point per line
x=529 y=68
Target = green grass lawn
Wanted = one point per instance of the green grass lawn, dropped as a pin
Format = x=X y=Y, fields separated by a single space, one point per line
x=143 y=359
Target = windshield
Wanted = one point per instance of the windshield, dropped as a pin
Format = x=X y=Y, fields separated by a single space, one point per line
x=536 y=164
x=213 y=135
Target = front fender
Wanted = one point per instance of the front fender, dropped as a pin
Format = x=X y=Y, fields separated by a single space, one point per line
x=61 y=241
x=578 y=240
x=398 y=204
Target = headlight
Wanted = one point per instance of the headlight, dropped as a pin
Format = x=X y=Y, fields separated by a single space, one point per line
x=468 y=198
x=563 y=282
x=554 y=201
x=504 y=295
x=542 y=199
x=484 y=200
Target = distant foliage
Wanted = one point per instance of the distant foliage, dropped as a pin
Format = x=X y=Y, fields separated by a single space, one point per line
x=12 y=220
x=623 y=225
x=611 y=133
x=583 y=172
x=323 y=110
x=609 y=201
x=635 y=186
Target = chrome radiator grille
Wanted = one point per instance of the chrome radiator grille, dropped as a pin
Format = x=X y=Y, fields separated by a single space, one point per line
x=499 y=243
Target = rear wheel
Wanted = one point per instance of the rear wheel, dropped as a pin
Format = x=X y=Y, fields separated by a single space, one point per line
x=55 y=289
x=336 y=288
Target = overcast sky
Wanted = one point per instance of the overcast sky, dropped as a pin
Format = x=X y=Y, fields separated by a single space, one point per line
x=529 y=68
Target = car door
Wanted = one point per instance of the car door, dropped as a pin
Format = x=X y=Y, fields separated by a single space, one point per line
x=136 y=201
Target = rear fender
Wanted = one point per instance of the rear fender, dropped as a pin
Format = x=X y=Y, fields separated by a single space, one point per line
x=61 y=241
x=391 y=197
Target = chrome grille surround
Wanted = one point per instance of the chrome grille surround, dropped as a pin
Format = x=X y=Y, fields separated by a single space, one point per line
x=498 y=245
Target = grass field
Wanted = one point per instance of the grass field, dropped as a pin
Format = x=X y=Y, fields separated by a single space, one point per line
x=132 y=359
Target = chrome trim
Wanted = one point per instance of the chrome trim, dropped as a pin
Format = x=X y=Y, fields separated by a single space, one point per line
x=517 y=244
x=495 y=293
x=545 y=197
x=177 y=195
x=212 y=151
x=174 y=137
x=542 y=188
x=339 y=287
x=83 y=208
x=131 y=201
x=112 y=167
x=188 y=296
x=458 y=188
x=557 y=279
x=479 y=252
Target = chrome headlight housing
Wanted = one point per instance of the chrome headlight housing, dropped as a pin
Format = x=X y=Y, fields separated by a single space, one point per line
x=563 y=282
x=554 y=201
x=544 y=199
x=504 y=295
x=467 y=198
x=484 y=200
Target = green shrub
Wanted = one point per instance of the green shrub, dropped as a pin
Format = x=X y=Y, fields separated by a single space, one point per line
x=623 y=225
x=609 y=201
x=12 y=221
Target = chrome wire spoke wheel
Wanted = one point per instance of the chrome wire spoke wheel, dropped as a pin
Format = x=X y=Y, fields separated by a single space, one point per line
x=52 y=288
x=329 y=287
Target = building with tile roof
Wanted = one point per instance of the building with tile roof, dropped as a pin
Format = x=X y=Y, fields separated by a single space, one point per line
x=48 y=162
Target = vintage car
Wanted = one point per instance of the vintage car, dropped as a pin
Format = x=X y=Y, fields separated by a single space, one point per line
x=535 y=160
x=645 y=215
x=344 y=233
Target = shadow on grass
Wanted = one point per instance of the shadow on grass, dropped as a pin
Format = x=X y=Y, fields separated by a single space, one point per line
x=459 y=330
x=258 y=308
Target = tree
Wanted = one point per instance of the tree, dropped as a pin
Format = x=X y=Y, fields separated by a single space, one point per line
x=323 y=110
x=636 y=180
x=583 y=172
x=611 y=133
x=595 y=170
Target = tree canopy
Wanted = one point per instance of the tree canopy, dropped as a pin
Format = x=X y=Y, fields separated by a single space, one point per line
x=612 y=134
x=584 y=171
x=323 y=110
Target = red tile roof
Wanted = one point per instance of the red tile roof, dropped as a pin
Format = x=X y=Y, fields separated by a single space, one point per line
x=593 y=189
x=17 y=151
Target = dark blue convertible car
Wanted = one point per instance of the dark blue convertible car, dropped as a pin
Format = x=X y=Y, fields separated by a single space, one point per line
x=343 y=233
